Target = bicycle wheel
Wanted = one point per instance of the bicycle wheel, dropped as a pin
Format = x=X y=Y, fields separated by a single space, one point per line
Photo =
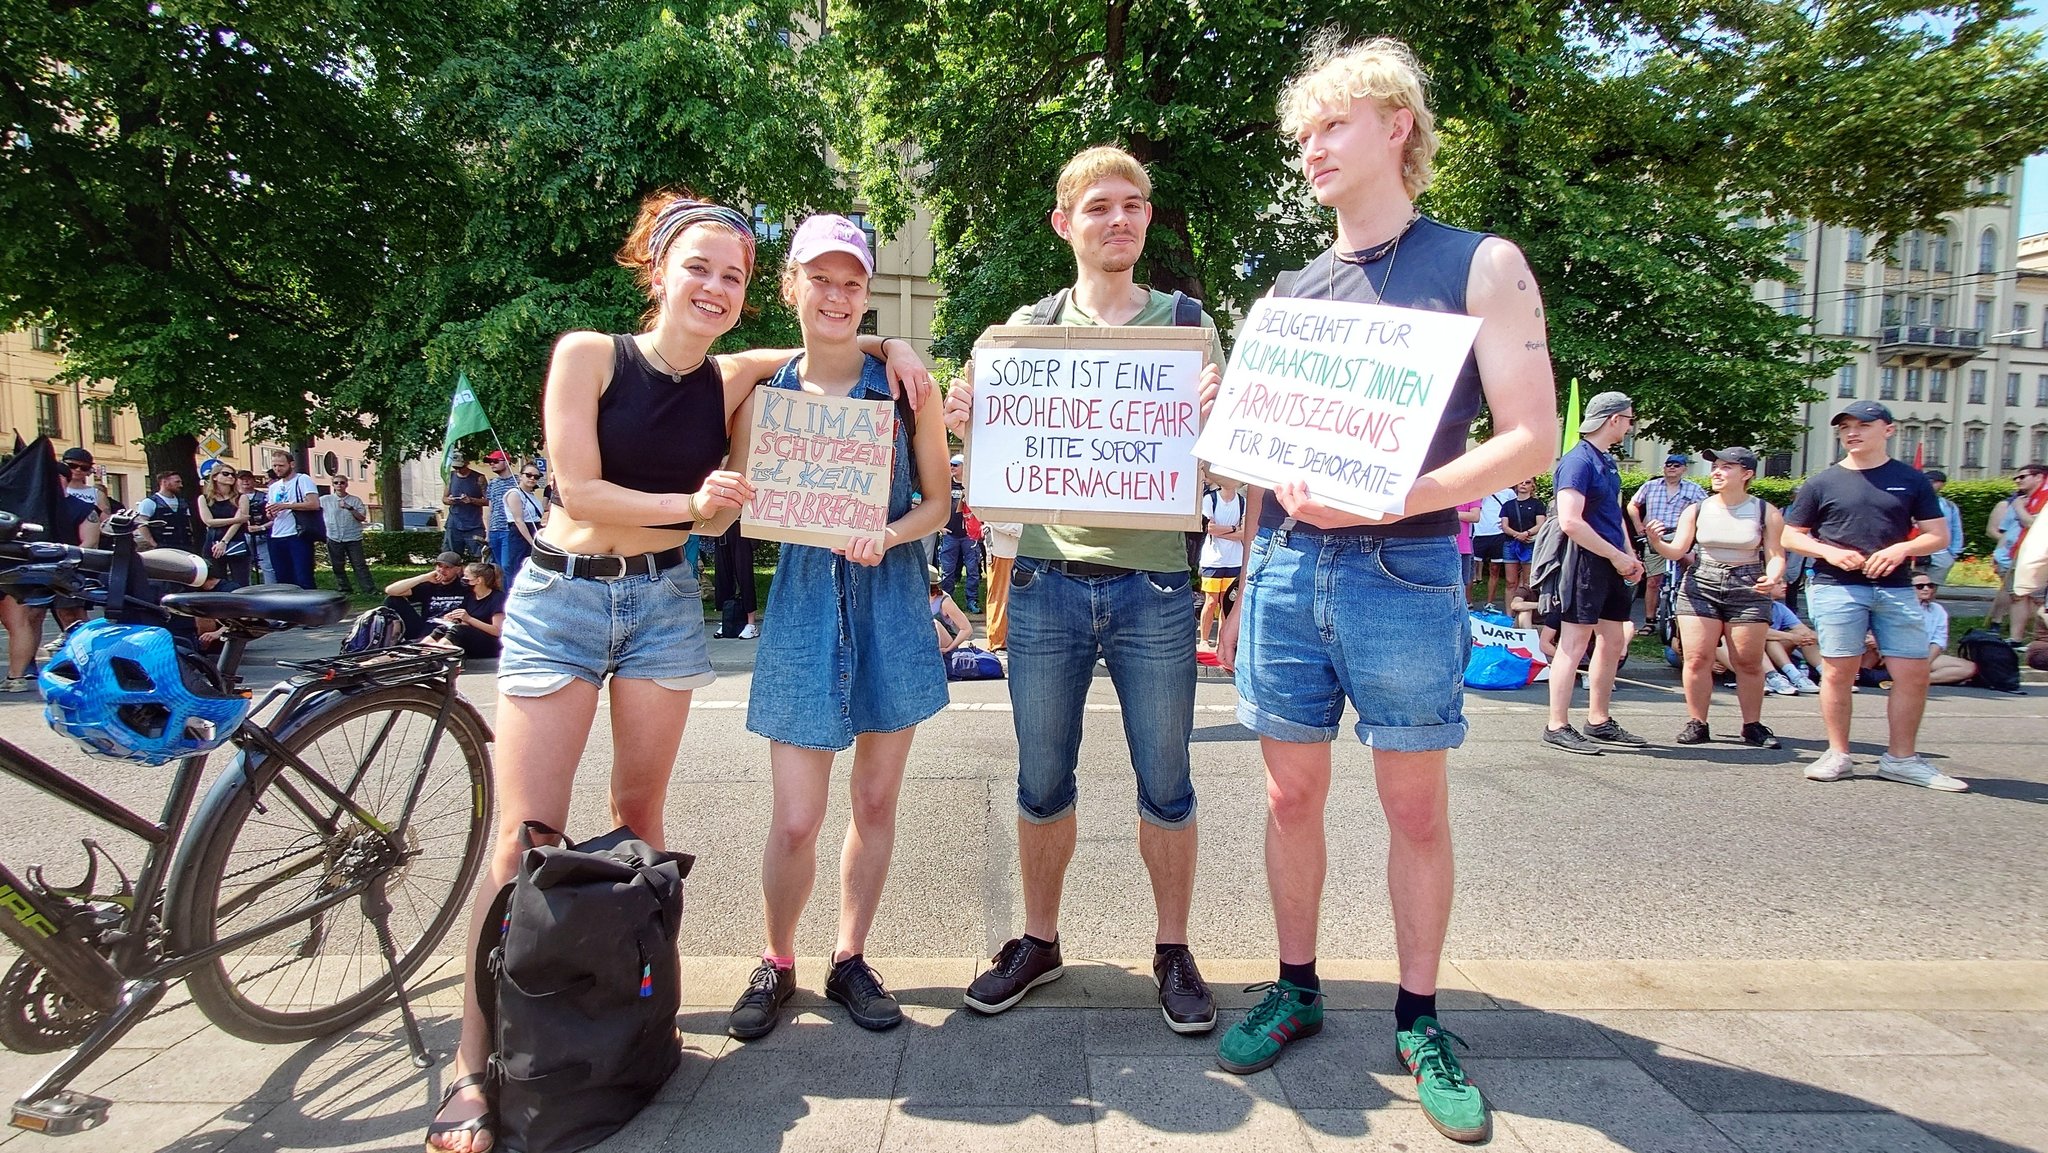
x=280 y=844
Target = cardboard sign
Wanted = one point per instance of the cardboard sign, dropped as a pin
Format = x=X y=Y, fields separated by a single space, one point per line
x=1087 y=426
x=1346 y=397
x=820 y=466
x=1521 y=642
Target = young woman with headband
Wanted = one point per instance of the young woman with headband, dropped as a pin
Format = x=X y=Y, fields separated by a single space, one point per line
x=637 y=438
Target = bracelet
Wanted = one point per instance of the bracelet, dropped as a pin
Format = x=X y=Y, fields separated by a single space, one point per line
x=885 y=345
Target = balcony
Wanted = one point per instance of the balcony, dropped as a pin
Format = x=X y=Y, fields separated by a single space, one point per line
x=1918 y=345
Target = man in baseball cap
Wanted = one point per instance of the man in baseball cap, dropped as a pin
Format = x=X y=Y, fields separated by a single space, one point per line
x=1596 y=600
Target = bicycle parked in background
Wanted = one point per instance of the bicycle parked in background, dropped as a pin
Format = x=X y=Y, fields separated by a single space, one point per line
x=313 y=879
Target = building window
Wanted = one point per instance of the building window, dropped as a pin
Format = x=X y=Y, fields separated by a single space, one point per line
x=1937 y=312
x=103 y=423
x=2005 y=183
x=1913 y=384
x=1916 y=249
x=860 y=221
x=1856 y=253
x=117 y=489
x=49 y=419
x=1912 y=311
x=871 y=322
x=1937 y=440
x=1887 y=384
x=1890 y=315
x=1981 y=320
x=1987 y=251
x=1795 y=243
x=2041 y=391
x=2019 y=325
x=2009 y=449
x=1789 y=302
x=1852 y=314
x=1973 y=448
x=1845 y=382
x=2040 y=446
x=1941 y=246
x=2012 y=388
x=1909 y=442
x=42 y=338
x=1937 y=385
x=1979 y=380
x=767 y=223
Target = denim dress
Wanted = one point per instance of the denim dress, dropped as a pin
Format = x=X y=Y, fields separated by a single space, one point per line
x=847 y=649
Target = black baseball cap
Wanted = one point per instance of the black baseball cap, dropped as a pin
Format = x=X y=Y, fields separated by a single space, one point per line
x=76 y=456
x=1864 y=410
x=1736 y=456
x=1935 y=474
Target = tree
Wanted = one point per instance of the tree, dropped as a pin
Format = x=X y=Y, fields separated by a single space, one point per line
x=1632 y=150
x=207 y=201
x=564 y=116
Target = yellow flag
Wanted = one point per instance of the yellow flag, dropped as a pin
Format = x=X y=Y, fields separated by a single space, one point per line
x=1571 y=420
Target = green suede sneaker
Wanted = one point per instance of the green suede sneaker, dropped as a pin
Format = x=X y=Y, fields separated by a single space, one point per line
x=1288 y=1013
x=1448 y=1100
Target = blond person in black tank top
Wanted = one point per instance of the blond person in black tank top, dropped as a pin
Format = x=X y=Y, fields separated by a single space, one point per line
x=694 y=261
x=1726 y=592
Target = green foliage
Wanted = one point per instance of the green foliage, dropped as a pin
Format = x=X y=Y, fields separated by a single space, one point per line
x=402 y=547
x=1975 y=499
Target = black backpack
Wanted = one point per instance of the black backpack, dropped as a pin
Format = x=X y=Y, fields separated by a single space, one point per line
x=377 y=628
x=1998 y=667
x=579 y=983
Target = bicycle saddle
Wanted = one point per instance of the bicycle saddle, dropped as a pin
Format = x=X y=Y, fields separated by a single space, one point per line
x=305 y=608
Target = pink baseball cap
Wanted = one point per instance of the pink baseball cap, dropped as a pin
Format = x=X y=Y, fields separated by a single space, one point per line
x=825 y=233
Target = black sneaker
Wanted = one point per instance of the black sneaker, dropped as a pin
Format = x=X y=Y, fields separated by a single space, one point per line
x=1019 y=967
x=1571 y=740
x=855 y=985
x=1755 y=733
x=759 y=1009
x=1694 y=733
x=1184 y=998
x=1611 y=732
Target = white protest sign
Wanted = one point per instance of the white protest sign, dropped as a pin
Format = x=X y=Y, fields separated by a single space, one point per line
x=1087 y=426
x=1343 y=396
x=1519 y=641
x=820 y=467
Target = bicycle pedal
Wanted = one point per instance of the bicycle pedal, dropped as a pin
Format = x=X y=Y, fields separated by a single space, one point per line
x=61 y=1114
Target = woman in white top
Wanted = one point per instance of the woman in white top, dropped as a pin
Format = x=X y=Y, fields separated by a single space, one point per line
x=1727 y=590
x=1222 y=554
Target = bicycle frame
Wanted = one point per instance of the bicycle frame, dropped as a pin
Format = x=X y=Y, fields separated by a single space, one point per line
x=142 y=965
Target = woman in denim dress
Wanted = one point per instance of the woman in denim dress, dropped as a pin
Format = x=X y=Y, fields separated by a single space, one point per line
x=845 y=658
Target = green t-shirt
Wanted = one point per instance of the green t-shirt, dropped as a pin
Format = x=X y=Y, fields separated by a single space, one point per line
x=1144 y=549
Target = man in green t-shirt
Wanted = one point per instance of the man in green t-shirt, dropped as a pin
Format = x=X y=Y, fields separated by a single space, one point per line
x=1120 y=594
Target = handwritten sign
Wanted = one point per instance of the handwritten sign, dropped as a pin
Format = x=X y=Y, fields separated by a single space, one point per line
x=820 y=466
x=1344 y=396
x=1087 y=426
x=1524 y=643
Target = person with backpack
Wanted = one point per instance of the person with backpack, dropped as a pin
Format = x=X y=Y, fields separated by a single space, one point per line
x=636 y=426
x=1857 y=518
x=1222 y=559
x=1942 y=669
x=843 y=647
x=1597 y=603
x=167 y=520
x=1120 y=594
x=1725 y=591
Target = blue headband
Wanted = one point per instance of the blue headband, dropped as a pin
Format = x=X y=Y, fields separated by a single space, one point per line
x=684 y=213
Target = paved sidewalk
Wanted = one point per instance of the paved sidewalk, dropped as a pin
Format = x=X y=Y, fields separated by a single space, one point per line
x=1679 y=1056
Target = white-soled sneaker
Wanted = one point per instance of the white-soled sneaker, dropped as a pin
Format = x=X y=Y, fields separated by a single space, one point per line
x=1797 y=678
x=1776 y=684
x=1831 y=766
x=1915 y=770
x=749 y=631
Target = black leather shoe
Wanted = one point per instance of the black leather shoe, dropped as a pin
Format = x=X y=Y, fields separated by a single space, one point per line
x=1019 y=967
x=759 y=1009
x=853 y=984
x=1184 y=998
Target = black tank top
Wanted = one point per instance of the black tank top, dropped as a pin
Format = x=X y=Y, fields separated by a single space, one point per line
x=1431 y=268
x=656 y=432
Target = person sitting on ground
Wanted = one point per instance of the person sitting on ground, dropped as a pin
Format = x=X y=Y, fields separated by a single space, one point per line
x=423 y=599
x=949 y=621
x=1787 y=634
x=1942 y=669
x=477 y=625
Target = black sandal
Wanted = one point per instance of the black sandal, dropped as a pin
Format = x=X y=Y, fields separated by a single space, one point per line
x=483 y=1122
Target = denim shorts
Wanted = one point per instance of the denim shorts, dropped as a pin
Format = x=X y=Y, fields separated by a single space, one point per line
x=1844 y=613
x=559 y=627
x=1379 y=620
x=1142 y=624
x=1723 y=593
x=1518 y=551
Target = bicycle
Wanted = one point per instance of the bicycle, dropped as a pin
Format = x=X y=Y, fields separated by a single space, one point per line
x=311 y=882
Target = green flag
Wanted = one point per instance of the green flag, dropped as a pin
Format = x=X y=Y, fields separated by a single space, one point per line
x=1571 y=420
x=465 y=415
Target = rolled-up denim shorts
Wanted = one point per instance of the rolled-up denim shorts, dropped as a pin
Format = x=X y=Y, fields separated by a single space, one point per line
x=1379 y=620
x=1843 y=613
x=559 y=627
x=1142 y=625
x=1723 y=593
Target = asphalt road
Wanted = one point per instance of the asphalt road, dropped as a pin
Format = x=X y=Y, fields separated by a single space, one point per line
x=1717 y=851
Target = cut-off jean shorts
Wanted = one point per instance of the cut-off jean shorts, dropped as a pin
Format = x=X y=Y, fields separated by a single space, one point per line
x=1843 y=614
x=1378 y=620
x=559 y=628
x=1142 y=625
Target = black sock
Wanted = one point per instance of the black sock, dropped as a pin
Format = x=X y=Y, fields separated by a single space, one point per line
x=1159 y=950
x=1041 y=944
x=1301 y=976
x=1408 y=1006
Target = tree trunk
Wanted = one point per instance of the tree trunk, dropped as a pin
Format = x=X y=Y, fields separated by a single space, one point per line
x=391 y=487
x=179 y=453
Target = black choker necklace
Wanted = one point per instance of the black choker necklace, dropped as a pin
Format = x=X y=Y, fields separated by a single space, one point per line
x=1384 y=249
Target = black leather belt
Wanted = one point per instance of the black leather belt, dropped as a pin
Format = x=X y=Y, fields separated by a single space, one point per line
x=1082 y=568
x=603 y=566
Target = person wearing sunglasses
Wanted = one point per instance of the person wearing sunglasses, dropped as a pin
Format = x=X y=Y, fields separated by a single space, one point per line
x=1942 y=669
x=525 y=511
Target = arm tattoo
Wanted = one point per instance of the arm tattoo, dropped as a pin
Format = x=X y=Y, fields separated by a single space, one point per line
x=1535 y=346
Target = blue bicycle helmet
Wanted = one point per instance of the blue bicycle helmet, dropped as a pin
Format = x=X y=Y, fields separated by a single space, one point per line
x=129 y=692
